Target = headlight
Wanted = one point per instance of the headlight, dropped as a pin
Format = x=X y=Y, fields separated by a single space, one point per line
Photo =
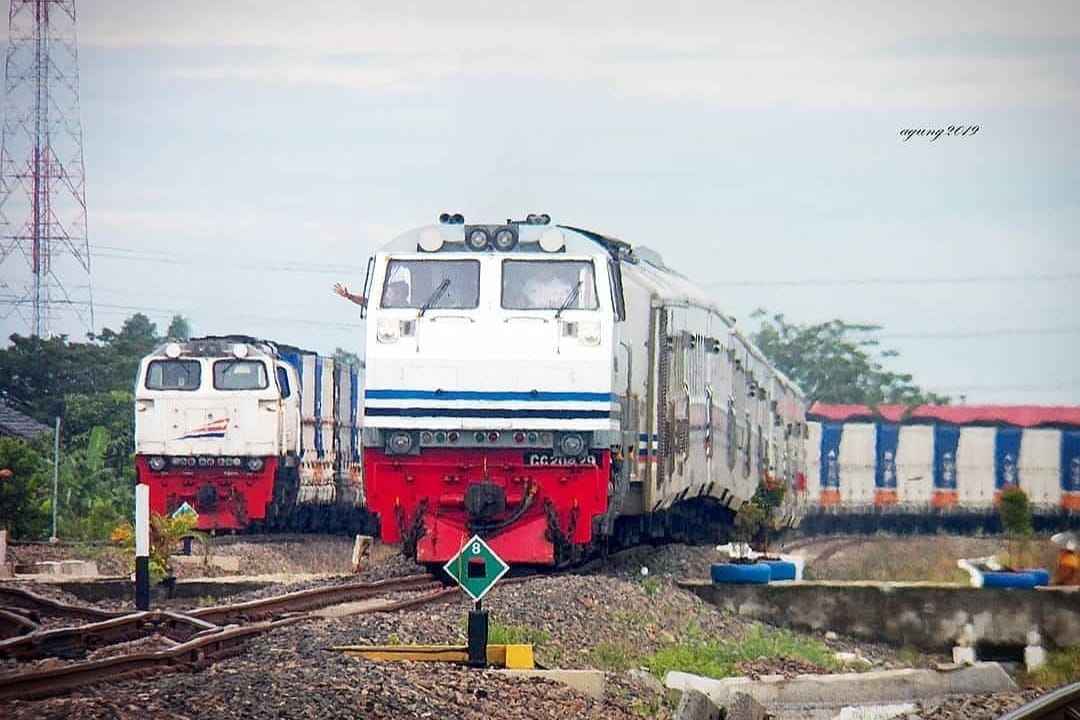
x=388 y=330
x=552 y=240
x=254 y=464
x=477 y=239
x=504 y=239
x=399 y=443
x=157 y=463
x=430 y=239
x=572 y=445
x=589 y=333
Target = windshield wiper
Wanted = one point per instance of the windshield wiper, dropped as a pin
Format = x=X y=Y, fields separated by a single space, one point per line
x=569 y=299
x=435 y=296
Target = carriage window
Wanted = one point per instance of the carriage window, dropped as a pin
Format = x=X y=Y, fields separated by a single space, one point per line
x=239 y=375
x=173 y=375
x=453 y=284
x=548 y=285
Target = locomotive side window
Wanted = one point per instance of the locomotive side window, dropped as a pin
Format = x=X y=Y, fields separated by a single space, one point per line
x=451 y=284
x=548 y=285
x=283 y=382
x=173 y=375
x=240 y=375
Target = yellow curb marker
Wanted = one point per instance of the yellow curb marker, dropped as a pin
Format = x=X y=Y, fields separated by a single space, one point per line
x=512 y=657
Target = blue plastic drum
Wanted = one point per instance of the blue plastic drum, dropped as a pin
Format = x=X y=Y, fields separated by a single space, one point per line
x=1009 y=579
x=1042 y=575
x=739 y=574
x=781 y=569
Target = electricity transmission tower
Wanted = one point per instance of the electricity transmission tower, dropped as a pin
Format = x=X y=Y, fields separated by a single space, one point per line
x=44 y=250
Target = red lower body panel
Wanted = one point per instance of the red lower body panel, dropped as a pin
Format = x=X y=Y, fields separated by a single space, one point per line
x=430 y=498
x=225 y=499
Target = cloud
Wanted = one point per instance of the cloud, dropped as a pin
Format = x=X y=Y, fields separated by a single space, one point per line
x=850 y=55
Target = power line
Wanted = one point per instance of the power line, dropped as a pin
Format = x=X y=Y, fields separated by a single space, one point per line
x=979 y=334
x=944 y=280
x=236 y=262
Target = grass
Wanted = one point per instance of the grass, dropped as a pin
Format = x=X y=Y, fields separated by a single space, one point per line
x=612 y=658
x=699 y=653
x=718 y=658
x=1062 y=667
x=516 y=635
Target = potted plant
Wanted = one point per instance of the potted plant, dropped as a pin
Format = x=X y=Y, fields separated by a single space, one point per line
x=165 y=532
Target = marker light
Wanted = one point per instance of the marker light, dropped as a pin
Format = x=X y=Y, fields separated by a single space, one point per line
x=240 y=350
x=254 y=464
x=430 y=239
x=387 y=331
x=157 y=463
x=552 y=240
x=589 y=333
x=172 y=350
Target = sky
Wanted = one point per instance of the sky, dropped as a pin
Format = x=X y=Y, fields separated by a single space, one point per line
x=241 y=157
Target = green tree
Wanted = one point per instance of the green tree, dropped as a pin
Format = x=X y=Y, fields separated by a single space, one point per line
x=348 y=357
x=25 y=488
x=111 y=411
x=179 y=329
x=89 y=386
x=837 y=362
x=93 y=497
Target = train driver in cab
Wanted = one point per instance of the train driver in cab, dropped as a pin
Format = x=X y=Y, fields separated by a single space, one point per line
x=397 y=294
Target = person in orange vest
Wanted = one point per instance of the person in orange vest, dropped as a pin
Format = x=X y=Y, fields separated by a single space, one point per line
x=1068 y=565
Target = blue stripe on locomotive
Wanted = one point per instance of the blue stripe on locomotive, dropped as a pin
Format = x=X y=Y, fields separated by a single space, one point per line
x=946 y=442
x=888 y=435
x=542 y=396
x=1007 y=456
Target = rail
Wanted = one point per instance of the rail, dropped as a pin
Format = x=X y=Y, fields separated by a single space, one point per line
x=201 y=640
x=1061 y=704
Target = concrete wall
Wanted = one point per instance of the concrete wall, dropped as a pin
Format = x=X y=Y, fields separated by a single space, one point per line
x=923 y=616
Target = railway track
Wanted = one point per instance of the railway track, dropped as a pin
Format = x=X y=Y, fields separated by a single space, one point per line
x=1061 y=704
x=43 y=663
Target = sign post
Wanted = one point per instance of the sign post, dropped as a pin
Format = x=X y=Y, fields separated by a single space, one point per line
x=476 y=568
x=142 y=547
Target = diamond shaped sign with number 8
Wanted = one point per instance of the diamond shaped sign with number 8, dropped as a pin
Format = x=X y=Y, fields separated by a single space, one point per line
x=476 y=567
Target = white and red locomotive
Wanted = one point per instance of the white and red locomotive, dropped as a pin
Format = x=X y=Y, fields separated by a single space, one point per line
x=550 y=388
x=248 y=433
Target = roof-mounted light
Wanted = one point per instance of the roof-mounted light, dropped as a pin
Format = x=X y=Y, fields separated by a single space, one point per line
x=552 y=240
x=505 y=239
x=172 y=350
x=430 y=239
x=240 y=350
x=455 y=219
x=477 y=239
